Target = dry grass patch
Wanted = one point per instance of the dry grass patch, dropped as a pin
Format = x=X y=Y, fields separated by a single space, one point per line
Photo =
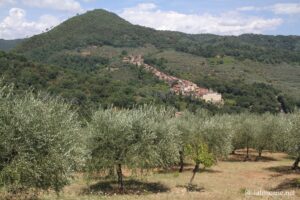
x=226 y=180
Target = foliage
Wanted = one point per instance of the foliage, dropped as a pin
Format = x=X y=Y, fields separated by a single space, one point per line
x=83 y=63
x=213 y=130
x=261 y=48
x=137 y=138
x=201 y=130
x=255 y=97
x=268 y=127
x=245 y=128
x=261 y=132
x=63 y=46
x=200 y=154
x=100 y=27
x=293 y=137
x=40 y=141
x=89 y=88
x=6 y=45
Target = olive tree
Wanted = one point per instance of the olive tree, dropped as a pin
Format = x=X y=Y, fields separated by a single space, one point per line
x=209 y=138
x=184 y=125
x=293 y=138
x=139 y=138
x=40 y=141
x=198 y=151
x=267 y=127
x=244 y=129
x=218 y=133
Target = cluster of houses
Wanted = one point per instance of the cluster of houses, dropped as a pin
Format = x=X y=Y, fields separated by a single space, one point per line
x=178 y=86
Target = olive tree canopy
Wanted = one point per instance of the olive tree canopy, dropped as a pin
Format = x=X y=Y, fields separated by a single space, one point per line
x=40 y=141
x=143 y=137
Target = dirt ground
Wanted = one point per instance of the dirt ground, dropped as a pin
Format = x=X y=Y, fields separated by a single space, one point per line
x=233 y=178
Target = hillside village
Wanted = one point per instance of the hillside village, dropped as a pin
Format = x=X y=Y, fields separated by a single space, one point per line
x=178 y=86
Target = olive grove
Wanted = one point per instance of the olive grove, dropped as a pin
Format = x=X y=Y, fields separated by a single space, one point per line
x=43 y=142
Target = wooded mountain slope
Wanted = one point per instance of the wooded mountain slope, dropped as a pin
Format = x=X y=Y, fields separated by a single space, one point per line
x=6 y=45
x=100 y=27
x=253 y=72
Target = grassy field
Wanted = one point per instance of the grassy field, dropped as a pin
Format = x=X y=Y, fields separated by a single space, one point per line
x=229 y=179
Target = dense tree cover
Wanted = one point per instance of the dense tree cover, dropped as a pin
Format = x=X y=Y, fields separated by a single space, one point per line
x=261 y=48
x=88 y=81
x=255 y=97
x=100 y=27
x=62 y=46
x=88 y=89
x=40 y=142
x=6 y=45
x=98 y=85
x=97 y=27
x=81 y=63
x=239 y=96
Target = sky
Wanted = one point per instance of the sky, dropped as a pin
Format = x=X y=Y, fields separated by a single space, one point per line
x=25 y=18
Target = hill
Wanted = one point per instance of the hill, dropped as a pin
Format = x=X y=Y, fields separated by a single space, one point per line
x=251 y=71
x=122 y=86
x=100 y=27
x=6 y=45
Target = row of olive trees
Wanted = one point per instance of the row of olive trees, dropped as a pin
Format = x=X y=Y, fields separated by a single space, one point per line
x=205 y=138
x=267 y=132
x=42 y=140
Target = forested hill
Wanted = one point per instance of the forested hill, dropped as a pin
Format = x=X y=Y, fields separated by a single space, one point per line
x=100 y=27
x=81 y=59
x=125 y=86
x=6 y=45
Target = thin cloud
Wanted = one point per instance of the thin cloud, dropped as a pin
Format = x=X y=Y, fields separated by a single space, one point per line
x=279 y=8
x=65 y=5
x=230 y=23
x=7 y=2
x=250 y=8
x=286 y=8
x=15 y=25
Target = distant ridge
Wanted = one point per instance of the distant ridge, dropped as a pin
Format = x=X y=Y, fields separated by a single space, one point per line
x=6 y=45
x=100 y=27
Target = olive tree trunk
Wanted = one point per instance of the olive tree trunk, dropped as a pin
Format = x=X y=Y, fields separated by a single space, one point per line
x=181 y=157
x=296 y=163
x=195 y=170
x=233 y=152
x=247 y=152
x=259 y=153
x=120 y=177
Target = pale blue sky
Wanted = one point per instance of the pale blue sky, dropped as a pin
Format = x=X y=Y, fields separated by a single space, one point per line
x=23 y=18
